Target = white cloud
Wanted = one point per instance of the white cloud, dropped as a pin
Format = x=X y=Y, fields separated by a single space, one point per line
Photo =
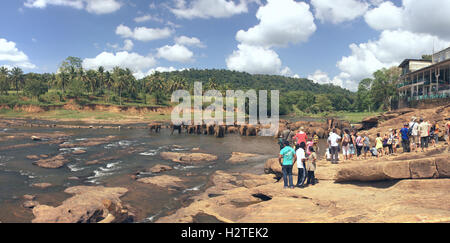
x=209 y=8
x=389 y=50
x=189 y=41
x=124 y=59
x=102 y=6
x=143 y=33
x=323 y=78
x=281 y=22
x=146 y=18
x=254 y=54
x=338 y=11
x=175 y=53
x=417 y=16
x=11 y=56
x=254 y=60
x=92 y=6
x=386 y=16
x=127 y=45
x=140 y=75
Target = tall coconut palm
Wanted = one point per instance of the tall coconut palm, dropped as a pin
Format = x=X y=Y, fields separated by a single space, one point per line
x=17 y=78
x=101 y=75
x=4 y=80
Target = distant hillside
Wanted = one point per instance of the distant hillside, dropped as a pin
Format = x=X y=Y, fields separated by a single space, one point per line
x=295 y=93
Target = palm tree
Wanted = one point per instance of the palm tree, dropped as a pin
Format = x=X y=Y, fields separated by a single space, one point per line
x=17 y=78
x=4 y=80
x=100 y=73
x=92 y=80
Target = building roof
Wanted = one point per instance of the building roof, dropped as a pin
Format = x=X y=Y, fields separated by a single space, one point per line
x=406 y=61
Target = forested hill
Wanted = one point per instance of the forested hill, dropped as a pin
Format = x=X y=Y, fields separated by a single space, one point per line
x=243 y=81
x=300 y=93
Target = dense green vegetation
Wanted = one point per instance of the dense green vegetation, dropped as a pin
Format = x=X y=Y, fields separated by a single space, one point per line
x=119 y=86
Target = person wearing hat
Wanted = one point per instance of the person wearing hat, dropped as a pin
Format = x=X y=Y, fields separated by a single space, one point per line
x=405 y=138
x=286 y=159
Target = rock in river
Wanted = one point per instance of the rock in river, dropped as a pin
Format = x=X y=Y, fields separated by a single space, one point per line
x=90 y=204
x=52 y=163
x=163 y=181
x=159 y=168
x=188 y=158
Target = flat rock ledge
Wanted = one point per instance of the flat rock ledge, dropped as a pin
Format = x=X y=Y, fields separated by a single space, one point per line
x=188 y=158
x=90 y=204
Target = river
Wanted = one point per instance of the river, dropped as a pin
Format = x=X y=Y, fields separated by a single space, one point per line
x=130 y=151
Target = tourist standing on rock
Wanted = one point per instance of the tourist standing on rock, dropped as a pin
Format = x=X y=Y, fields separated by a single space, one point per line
x=300 y=137
x=281 y=142
x=366 y=144
x=316 y=142
x=301 y=159
x=333 y=143
x=434 y=130
x=346 y=144
x=447 y=127
x=414 y=134
x=390 y=142
x=359 y=145
x=405 y=138
x=379 y=145
x=311 y=167
x=286 y=159
x=352 y=145
x=424 y=133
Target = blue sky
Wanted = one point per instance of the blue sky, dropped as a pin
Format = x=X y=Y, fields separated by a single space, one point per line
x=328 y=41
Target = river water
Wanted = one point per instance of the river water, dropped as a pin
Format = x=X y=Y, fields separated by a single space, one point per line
x=130 y=151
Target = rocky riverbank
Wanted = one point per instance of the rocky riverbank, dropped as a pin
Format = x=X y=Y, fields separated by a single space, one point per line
x=403 y=188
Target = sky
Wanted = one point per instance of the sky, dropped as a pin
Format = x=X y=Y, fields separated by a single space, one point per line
x=328 y=41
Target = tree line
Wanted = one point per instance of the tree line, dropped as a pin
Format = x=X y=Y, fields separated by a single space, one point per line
x=119 y=86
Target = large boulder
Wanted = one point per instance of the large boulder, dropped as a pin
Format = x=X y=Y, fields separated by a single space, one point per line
x=188 y=158
x=90 y=204
x=422 y=168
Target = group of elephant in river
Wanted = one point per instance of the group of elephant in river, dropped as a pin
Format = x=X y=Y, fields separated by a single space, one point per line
x=322 y=129
x=210 y=129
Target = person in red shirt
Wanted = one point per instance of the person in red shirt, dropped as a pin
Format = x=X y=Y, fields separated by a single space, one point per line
x=300 y=137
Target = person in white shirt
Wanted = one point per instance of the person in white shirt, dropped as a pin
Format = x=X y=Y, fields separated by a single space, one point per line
x=415 y=140
x=301 y=159
x=333 y=143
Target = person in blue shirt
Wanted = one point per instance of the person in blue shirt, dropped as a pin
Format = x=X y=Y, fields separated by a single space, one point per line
x=286 y=159
x=405 y=138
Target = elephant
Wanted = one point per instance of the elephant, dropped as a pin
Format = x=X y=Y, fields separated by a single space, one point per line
x=243 y=130
x=154 y=126
x=198 y=129
x=232 y=129
x=219 y=131
x=176 y=127
x=321 y=133
x=190 y=129
x=210 y=129
x=251 y=130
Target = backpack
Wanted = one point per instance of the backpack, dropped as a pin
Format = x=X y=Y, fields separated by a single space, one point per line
x=359 y=142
